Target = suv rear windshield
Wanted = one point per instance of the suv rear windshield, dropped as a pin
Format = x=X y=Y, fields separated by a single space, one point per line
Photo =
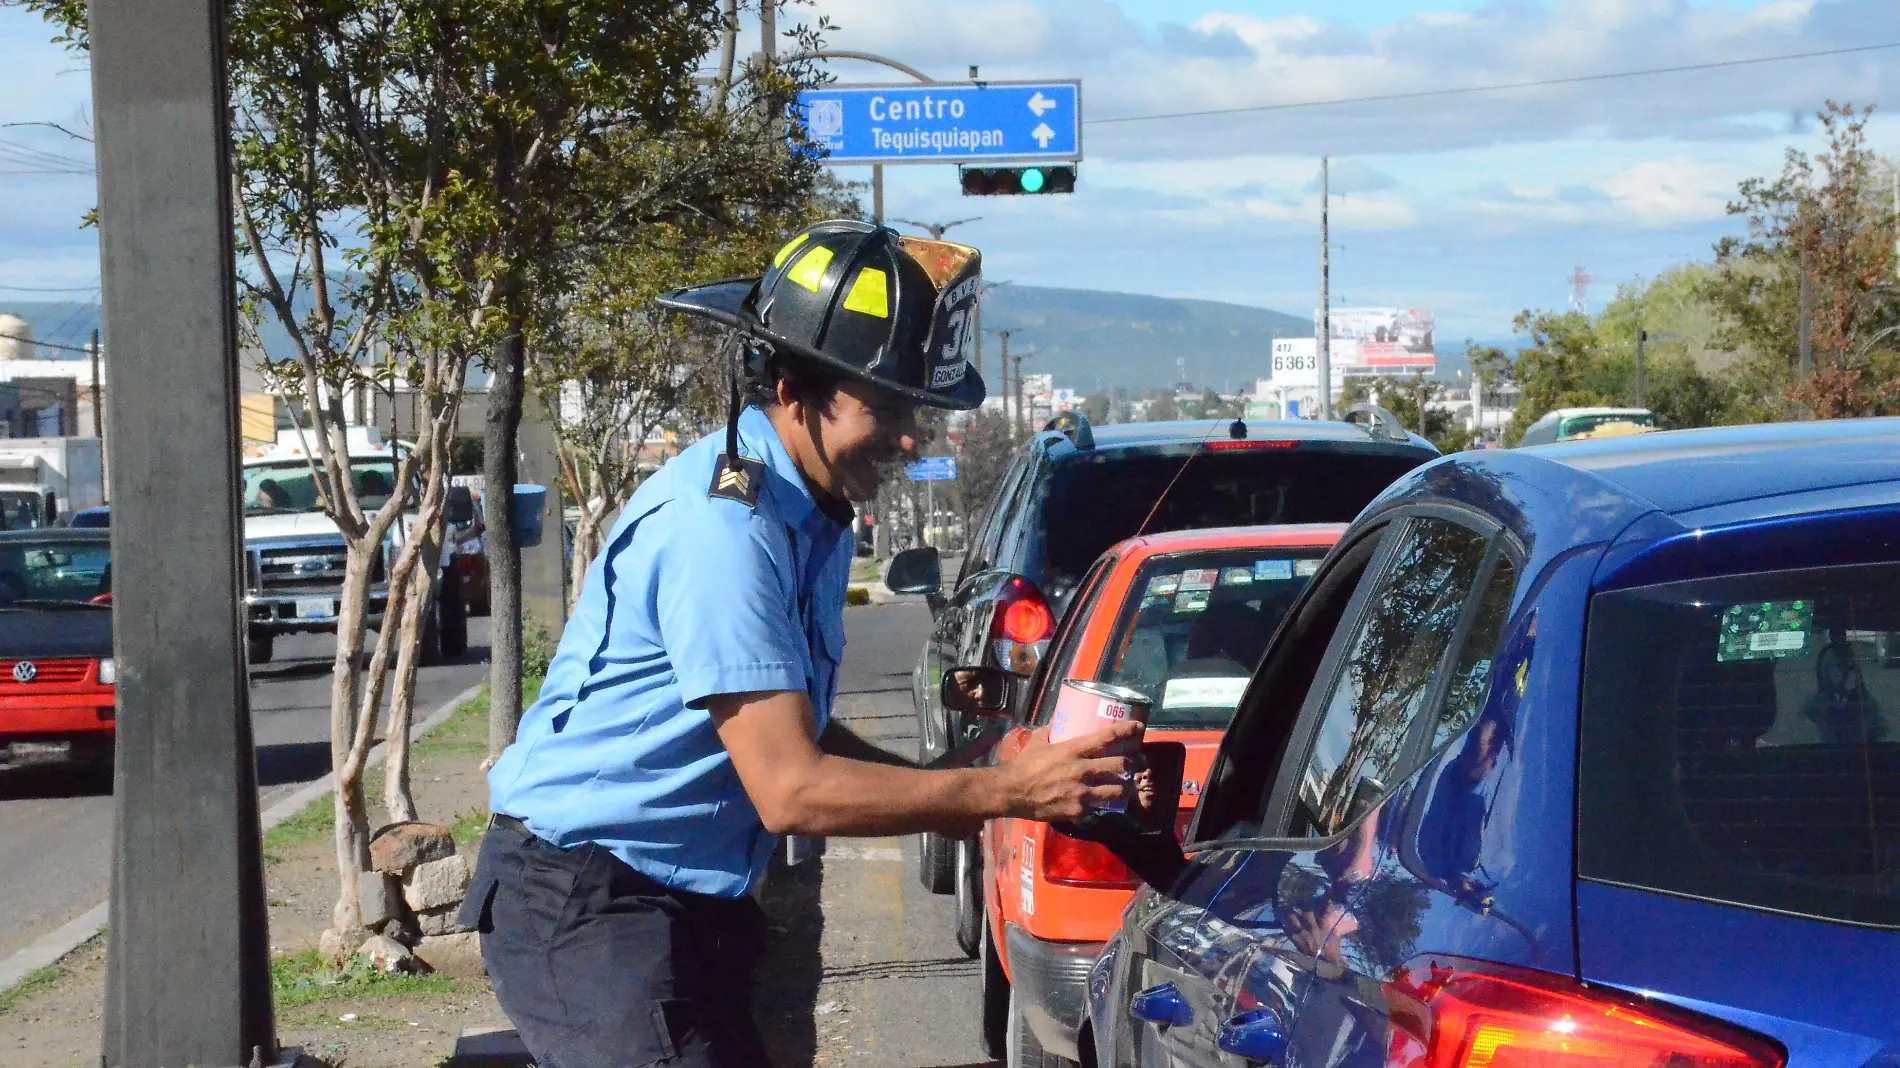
x=1097 y=499
x=1741 y=741
x=1195 y=625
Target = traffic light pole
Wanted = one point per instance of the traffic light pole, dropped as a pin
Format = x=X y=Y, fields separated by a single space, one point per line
x=1325 y=291
x=187 y=967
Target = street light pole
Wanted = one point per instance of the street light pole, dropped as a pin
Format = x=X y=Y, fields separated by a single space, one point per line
x=1325 y=290
x=187 y=964
x=1642 y=337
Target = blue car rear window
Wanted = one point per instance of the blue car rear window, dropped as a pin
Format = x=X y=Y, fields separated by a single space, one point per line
x=1741 y=741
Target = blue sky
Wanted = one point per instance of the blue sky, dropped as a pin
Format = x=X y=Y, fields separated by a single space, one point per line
x=1476 y=206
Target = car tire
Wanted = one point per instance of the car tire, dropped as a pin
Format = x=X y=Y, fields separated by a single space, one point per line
x=995 y=1000
x=936 y=863
x=258 y=648
x=1021 y=1050
x=969 y=880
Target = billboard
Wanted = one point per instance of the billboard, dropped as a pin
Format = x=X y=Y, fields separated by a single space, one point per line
x=1382 y=339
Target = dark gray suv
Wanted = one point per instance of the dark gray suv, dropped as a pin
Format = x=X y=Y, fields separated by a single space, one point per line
x=1076 y=490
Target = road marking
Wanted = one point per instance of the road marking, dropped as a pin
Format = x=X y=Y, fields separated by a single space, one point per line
x=52 y=947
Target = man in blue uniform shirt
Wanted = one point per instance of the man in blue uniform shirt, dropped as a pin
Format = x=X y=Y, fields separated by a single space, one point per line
x=686 y=718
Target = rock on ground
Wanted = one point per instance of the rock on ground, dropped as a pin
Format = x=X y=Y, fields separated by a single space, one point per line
x=401 y=846
x=436 y=884
x=388 y=955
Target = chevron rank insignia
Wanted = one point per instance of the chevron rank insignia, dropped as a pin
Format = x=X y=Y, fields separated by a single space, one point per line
x=740 y=483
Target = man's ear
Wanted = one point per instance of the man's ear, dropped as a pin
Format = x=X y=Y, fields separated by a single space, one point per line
x=788 y=400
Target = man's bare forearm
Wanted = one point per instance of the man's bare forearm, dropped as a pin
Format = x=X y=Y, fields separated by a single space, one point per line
x=847 y=797
x=840 y=741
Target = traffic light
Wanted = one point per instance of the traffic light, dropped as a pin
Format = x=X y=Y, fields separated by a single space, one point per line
x=1017 y=181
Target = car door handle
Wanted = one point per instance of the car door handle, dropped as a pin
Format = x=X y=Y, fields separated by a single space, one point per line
x=1255 y=1035
x=1163 y=1005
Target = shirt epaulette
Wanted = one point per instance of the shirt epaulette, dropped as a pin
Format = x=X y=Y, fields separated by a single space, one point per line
x=740 y=484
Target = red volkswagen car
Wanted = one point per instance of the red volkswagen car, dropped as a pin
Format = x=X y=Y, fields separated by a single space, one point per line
x=57 y=675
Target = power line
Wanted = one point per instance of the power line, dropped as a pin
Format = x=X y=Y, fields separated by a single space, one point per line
x=46 y=344
x=94 y=288
x=1499 y=87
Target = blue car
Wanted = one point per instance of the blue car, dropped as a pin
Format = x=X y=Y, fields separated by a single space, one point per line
x=1581 y=755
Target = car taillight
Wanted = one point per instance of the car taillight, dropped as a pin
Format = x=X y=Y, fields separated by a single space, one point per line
x=1072 y=862
x=1022 y=626
x=1447 y=1012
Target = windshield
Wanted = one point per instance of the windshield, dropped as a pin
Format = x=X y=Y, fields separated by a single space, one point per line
x=1741 y=741
x=1094 y=501
x=291 y=487
x=1583 y=424
x=20 y=510
x=1196 y=624
x=67 y=571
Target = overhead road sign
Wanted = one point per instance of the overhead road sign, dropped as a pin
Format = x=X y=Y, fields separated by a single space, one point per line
x=932 y=469
x=961 y=122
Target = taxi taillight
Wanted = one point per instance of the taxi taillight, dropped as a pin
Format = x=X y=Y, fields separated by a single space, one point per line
x=1021 y=627
x=1072 y=862
x=1448 y=1012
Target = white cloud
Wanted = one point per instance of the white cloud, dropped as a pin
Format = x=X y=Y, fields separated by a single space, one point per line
x=1230 y=59
x=1671 y=192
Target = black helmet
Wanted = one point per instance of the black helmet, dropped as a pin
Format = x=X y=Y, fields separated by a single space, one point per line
x=897 y=312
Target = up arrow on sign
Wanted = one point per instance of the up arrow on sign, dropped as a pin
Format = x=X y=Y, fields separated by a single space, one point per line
x=1040 y=104
x=1042 y=133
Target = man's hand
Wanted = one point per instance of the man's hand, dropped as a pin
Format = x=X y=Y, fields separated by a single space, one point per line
x=1050 y=782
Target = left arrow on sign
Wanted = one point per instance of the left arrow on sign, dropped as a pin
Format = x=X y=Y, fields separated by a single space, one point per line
x=1042 y=133
x=1040 y=103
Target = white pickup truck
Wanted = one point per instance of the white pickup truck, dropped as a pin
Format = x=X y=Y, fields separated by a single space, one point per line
x=295 y=557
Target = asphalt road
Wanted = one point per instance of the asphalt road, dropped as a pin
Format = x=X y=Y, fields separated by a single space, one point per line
x=56 y=821
x=864 y=967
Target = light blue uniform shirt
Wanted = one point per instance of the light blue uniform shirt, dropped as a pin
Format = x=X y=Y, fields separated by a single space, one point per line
x=693 y=596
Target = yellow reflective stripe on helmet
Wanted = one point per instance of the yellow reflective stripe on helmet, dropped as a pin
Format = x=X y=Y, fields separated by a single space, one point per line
x=809 y=271
x=779 y=260
x=870 y=294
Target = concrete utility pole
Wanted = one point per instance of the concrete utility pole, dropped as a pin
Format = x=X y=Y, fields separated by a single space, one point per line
x=1642 y=337
x=188 y=966
x=981 y=291
x=877 y=193
x=1005 y=335
x=98 y=417
x=1325 y=325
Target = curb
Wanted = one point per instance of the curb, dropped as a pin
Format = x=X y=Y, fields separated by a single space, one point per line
x=52 y=947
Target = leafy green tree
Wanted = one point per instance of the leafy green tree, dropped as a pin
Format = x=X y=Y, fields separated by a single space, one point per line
x=1162 y=407
x=1412 y=400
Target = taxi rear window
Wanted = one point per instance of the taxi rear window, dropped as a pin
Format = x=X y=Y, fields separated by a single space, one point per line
x=1741 y=741
x=1195 y=626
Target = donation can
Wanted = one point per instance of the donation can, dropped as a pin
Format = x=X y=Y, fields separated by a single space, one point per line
x=1084 y=707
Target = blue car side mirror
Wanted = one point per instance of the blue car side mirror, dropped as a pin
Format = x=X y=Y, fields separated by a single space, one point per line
x=1162 y=1005
x=1255 y=1035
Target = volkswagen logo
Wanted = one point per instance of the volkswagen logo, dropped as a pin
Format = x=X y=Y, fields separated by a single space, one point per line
x=25 y=671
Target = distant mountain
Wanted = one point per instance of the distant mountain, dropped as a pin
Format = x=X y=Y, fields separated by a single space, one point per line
x=1091 y=340
x=57 y=322
x=1094 y=340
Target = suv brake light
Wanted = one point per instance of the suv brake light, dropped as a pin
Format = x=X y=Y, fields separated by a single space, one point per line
x=1448 y=1012
x=1072 y=862
x=1231 y=445
x=1022 y=626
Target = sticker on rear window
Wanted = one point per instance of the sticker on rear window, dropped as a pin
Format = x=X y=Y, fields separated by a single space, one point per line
x=1306 y=568
x=1767 y=630
x=1191 y=601
x=1271 y=570
x=1221 y=692
x=1161 y=585
x=1203 y=579
x=1236 y=576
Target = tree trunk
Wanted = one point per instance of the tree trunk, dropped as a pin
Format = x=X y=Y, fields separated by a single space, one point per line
x=398 y=798
x=504 y=555
x=350 y=807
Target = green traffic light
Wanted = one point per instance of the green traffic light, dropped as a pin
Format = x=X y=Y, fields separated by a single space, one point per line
x=1032 y=180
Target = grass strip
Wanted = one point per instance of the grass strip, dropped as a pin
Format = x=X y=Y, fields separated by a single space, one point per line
x=300 y=980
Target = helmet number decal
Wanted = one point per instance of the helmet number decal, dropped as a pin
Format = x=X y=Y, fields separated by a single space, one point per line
x=957 y=347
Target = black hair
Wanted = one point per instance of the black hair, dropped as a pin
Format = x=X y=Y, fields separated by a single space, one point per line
x=811 y=385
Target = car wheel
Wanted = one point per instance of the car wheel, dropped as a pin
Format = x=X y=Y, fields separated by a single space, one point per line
x=995 y=1000
x=936 y=863
x=258 y=648
x=1020 y=1045
x=969 y=876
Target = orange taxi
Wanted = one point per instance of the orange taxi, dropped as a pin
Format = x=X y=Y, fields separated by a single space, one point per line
x=1182 y=618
